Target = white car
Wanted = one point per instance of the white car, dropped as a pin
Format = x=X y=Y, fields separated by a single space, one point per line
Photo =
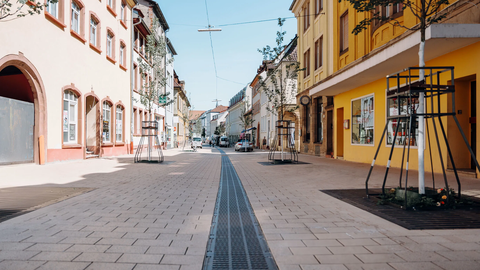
x=196 y=142
x=224 y=141
x=243 y=145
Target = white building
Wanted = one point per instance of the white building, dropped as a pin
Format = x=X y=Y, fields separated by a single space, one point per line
x=218 y=120
x=240 y=103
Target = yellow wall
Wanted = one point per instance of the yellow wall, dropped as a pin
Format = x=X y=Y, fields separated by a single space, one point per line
x=465 y=62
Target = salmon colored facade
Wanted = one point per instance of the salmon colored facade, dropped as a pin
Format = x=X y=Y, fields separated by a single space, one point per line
x=73 y=59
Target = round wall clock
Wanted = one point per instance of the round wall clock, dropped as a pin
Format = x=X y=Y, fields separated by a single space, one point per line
x=304 y=100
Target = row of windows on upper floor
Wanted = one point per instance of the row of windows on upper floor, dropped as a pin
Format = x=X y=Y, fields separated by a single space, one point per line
x=55 y=13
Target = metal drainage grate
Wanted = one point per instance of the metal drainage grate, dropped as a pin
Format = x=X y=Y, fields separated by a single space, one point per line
x=236 y=239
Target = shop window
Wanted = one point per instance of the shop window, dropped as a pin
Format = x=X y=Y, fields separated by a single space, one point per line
x=363 y=120
x=344 y=32
x=399 y=107
x=70 y=117
x=119 y=124
x=107 y=125
x=319 y=53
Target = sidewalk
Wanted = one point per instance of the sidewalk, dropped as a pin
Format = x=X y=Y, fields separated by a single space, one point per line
x=149 y=216
x=307 y=229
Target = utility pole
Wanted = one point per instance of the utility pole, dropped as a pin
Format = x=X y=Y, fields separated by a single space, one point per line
x=216 y=100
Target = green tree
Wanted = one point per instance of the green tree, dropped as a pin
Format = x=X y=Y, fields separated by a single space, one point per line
x=427 y=12
x=280 y=82
x=153 y=70
x=246 y=118
x=21 y=8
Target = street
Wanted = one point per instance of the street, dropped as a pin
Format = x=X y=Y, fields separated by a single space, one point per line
x=159 y=216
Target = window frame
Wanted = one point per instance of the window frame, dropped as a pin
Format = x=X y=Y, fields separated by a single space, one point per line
x=107 y=112
x=122 y=123
x=306 y=17
x=319 y=53
x=318 y=7
x=97 y=26
x=319 y=123
x=306 y=63
x=110 y=45
x=111 y=6
x=78 y=110
x=122 y=55
x=80 y=34
x=355 y=119
x=344 y=33
x=59 y=17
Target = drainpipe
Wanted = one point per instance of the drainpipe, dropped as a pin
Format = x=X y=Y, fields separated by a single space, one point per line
x=132 y=78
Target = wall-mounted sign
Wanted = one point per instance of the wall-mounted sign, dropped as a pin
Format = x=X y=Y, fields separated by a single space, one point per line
x=162 y=100
x=346 y=124
x=305 y=100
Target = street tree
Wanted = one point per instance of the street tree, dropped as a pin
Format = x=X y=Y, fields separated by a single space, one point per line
x=22 y=8
x=153 y=72
x=279 y=84
x=427 y=12
x=246 y=118
x=153 y=92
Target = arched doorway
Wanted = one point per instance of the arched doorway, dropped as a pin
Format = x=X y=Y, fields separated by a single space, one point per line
x=22 y=112
x=92 y=126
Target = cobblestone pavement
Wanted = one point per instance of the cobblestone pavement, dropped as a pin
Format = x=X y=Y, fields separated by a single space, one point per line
x=144 y=216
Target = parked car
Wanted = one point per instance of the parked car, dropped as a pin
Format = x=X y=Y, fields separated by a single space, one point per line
x=224 y=141
x=243 y=145
x=196 y=142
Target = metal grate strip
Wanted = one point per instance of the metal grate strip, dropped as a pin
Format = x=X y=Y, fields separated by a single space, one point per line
x=236 y=239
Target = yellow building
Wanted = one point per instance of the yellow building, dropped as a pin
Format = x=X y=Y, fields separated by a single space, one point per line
x=357 y=81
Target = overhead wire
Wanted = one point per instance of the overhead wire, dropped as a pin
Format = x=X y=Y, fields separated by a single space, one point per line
x=213 y=52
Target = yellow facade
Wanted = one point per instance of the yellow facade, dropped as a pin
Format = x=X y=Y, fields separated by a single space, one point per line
x=359 y=68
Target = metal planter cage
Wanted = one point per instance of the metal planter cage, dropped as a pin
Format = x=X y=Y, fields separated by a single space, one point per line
x=283 y=149
x=153 y=153
x=403 y=90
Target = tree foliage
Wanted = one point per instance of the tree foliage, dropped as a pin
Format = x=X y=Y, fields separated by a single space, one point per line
x=282 y=68
x=153 y=71
x=426 y=11
x=21 y=8
x=246 y=118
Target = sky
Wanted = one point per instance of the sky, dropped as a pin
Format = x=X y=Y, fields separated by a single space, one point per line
x=235 y=47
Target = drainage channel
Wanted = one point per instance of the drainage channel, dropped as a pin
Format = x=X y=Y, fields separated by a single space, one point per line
x=236 y=239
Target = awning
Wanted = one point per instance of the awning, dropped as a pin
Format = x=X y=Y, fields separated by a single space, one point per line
x=252 y=128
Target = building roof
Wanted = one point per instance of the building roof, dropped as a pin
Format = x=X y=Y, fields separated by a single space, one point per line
x=219 y=109
x=195 y=114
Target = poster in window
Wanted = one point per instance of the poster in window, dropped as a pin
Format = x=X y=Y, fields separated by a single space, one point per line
x=367 y=112
x=65 y=121
x=72 y=132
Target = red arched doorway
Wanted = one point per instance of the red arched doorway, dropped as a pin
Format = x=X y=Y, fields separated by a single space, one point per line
x=23 y=109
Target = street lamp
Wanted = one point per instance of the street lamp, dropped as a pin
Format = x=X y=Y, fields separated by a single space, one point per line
x=210 y=28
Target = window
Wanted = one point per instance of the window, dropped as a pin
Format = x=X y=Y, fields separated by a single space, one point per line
x=306 y=63
x=107 y=125
x=52 y=8
x=319 y=120
x=110 y=3
x=140 y=48
x=318 y=7
x=401 y=106
x=319 y=53
x=362 y=120
x=344 y=32
x=135 y=77
x=111 y=7
x=110 y=45
x=93 y=32
x=75 y=18
x=122 y=57
x=119 y=124
x=70 y=117
x=123 y=12
x=306 y=16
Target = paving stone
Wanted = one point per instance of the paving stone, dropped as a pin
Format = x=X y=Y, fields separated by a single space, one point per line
x=418 y=265
x=309 y=250
x=357 y=242
x=369 y=266
x=88 y=248
x=348 y=250
x=97 y=257
x=379 y=258
x=297 y=259
x=386 y=249
x=324 y=267
x=467 y=255
x=140 y=258
x=159 y=267
x=420 y=256
x=24 y=265
x=322 y=243
x=17 y=255
x=110 y=266
x=81 y=240
x=55 y=256
x=14 y=246
x=171 y=251
x=116 y=241
x=127 y=249
x=463 y=265
x=294 y=236
x=49 y=247
x=183 y=259
x=337 y=259
x=64 y=265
